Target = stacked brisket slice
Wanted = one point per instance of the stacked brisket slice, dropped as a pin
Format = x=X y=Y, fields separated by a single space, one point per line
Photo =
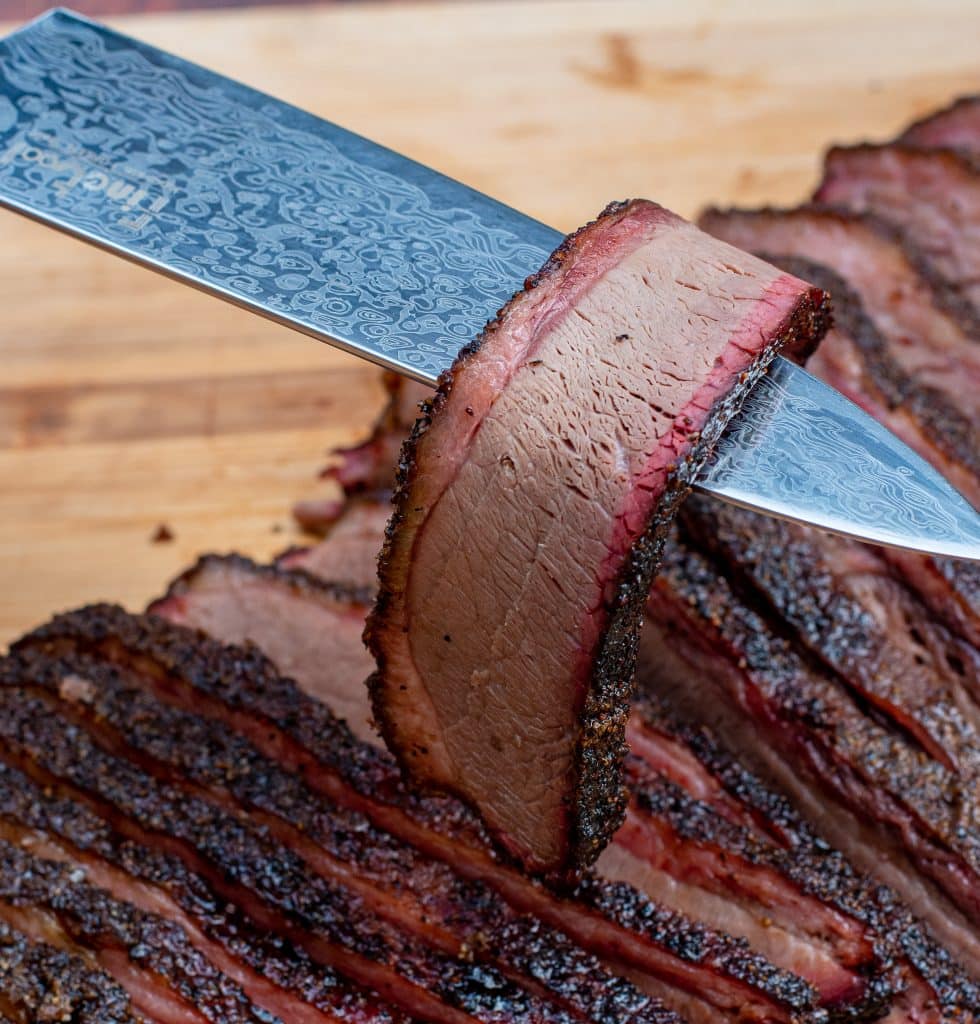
x=851 y=676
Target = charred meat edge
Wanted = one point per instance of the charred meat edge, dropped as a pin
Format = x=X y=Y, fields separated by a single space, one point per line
x=240 y=687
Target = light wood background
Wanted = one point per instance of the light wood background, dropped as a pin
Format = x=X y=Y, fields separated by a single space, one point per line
x=127 y=401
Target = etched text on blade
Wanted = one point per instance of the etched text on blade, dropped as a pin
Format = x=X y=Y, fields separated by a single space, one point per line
x=800 y=450
x=293 y=216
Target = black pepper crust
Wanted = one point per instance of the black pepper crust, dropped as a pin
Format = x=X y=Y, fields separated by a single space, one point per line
x=792 y=570
x=869 y=765
x=40 y=984
x=240 y=680
x=821 y=871
x=824 y=733
x=304 y=734
x=950 y=296
x=176 y=745
x=298 y=580
x=32 y=809
x=52 y=892
x=596 y=802
x=247 y=865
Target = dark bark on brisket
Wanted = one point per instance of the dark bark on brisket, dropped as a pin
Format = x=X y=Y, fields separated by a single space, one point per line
x=40 y=984
x=805 y=858
x=239 y=687
x=249 y=867
x=160 y=964
x=843 y=605
x=955 y=127
x=29 y=810
x=417 y=894
x=541 y=757
x=704 y=644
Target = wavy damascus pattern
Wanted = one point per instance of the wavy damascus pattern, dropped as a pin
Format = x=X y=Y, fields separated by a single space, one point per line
x=828 y=463
x=248 y=196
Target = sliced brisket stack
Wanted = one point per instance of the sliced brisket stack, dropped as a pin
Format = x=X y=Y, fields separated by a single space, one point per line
x=188 y=835
x=137 y=753
x=533 y=503
x=755 y=870
x=895 y=351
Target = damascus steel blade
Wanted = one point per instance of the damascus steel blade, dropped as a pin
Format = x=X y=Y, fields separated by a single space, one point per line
x=258 y=202
x=251 y=199
x=826 y=462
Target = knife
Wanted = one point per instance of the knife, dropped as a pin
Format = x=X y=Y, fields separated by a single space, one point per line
x=255 y=201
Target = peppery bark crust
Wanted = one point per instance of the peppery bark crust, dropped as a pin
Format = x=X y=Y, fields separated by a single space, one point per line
x=869 y=787
x=596 y=801
x=614 y=920
x=156 y=952
x=429 y=898
x=41 y=983
x=807 y=860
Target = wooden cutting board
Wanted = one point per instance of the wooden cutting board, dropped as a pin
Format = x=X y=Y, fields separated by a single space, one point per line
x=127 y=401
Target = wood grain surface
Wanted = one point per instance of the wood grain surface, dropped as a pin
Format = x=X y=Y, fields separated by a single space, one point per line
x=127 y=401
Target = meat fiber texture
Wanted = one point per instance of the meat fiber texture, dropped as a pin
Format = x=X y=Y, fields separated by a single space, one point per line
x=531 y=512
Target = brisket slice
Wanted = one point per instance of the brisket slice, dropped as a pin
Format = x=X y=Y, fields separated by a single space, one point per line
x=247 y=866
x=149 y=957
x=933 y=197
x=697 y=875
x=708 y=974
x=842 y=604
x=955 y=127
x=311 y=629
x=369 y=467
x=418 y=895
x=349 y=554
x=531 y=511
x=275 y=974
x=775 y=836
x=924 y=340
x=868 y=787
x=40 y=983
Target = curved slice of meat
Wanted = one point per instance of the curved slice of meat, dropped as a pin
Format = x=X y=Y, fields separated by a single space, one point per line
x=954 y=127
x=531 y=511
x=932 y=196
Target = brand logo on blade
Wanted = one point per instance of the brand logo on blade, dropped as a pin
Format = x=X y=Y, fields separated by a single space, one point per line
x=71 y=169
